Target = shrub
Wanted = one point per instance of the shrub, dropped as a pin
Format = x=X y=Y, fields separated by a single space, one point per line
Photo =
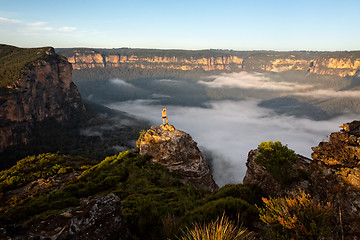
x=297 y=217
x=138 y=142
x=277 y=159
x=248 y=192
x=220 y=229
x=234 y=208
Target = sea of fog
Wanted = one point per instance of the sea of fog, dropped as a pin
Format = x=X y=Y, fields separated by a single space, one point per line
x=228 y=130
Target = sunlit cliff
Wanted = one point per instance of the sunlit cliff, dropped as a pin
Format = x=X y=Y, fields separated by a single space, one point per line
x=325 y=63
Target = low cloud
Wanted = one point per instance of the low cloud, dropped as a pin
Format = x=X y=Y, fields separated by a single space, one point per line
x=259 y=81
x=228 y=130
x=155 y=95
x=121 y=83
x=328 y=93
x=245 y=80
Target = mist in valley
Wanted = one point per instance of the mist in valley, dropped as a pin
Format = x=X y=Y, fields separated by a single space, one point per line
x=228 y=130
x=230 y=114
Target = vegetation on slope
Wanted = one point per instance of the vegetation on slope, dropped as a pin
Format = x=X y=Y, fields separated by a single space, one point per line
x=13 y=60
x=156 y=204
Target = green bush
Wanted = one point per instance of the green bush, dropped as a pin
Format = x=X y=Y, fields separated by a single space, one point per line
x=297 y=217
x=234 y=208
x=39 y=166
x=248 y=192
x=277 y=159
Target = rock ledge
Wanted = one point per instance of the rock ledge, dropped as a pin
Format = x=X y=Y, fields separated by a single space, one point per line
x=178 y=152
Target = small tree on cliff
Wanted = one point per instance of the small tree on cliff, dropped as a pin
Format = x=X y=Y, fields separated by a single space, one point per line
x=277 y=159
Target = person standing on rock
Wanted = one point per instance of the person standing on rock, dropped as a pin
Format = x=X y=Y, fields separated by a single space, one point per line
x=164 y=116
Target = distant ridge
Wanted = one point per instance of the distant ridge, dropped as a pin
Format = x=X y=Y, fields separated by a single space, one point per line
x=340 y=63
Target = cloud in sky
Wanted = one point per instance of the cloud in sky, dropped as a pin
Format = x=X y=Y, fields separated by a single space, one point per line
x=37 y=31
x=67 y=29
x=37 y=24
x=8 y=20
x=230 y=129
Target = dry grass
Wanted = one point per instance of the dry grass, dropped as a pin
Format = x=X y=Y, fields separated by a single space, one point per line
x=220 y=229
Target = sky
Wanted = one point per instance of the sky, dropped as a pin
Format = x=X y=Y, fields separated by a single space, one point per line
x=320 y=25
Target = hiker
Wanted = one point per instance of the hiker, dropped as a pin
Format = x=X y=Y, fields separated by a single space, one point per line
x=164 y=116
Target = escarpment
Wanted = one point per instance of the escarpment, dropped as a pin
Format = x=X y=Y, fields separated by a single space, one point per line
x=178 y=152
x=323 y=63
x=43 y=90
x=92 y=59
x=332 y=176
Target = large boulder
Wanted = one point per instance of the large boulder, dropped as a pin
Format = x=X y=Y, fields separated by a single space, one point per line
x=178 y=152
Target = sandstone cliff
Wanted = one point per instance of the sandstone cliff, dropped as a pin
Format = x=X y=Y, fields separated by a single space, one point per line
x=178 y=152
x=324 y=63
x=92 y=59
x=44 y=90
x=332 y=176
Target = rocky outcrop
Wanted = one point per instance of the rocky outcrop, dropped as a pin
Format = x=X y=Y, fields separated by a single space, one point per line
x=43 y=91
x=99 y=218
x=335 y=175
x=324 y=63
x=332 y=176
x=258 y=174
x=178 y=152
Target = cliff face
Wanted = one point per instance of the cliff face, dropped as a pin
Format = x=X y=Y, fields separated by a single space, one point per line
x=92 y=59
x=44 y=90
x=333 y=63
x=335 y=66
x=179 y=154
x=332 y=176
